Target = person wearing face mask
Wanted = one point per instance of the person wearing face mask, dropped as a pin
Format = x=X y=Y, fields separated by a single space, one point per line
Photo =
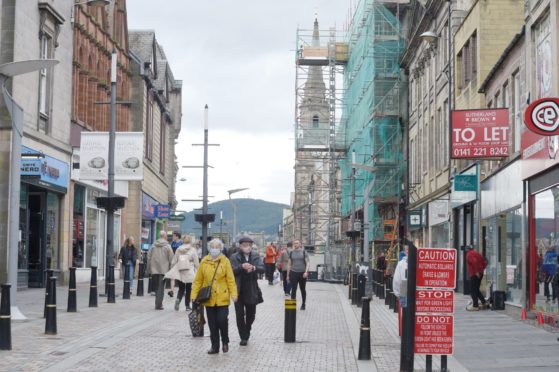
x=246 y=267
x=215 y=271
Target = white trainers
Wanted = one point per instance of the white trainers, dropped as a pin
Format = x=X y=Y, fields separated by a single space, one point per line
x=472 y=308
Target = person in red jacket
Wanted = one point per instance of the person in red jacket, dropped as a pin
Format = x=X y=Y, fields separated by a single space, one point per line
x=270 y=262
x=476 y=265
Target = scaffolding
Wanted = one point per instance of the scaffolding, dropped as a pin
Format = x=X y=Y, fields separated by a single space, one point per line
x=320 y=58
x=371 y=119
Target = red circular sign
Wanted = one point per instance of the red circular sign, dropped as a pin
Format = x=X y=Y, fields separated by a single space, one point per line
x=542 y=116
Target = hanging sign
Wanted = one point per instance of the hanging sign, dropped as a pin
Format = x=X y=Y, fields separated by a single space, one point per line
x=542 y=116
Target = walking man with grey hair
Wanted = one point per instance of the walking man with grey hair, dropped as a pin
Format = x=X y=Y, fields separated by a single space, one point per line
x=160 y=257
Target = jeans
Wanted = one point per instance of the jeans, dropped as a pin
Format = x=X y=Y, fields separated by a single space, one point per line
x=159 y=288
x=270 y=268
x=131 y=268
x=476 y=294
x=286 y=286
x=246 y=314
x=294 y=279
x=218 y=323
x=184 y=289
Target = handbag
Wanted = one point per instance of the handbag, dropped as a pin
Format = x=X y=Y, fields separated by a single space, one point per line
x=206 y=292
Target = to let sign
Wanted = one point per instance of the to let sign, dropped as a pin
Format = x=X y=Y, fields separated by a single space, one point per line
x=434 y=334
x=434 y=301
x=480 y=134
x=436 y=267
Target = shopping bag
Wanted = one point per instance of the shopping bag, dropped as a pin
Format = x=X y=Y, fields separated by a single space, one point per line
x=276 y=277
x=197 y=321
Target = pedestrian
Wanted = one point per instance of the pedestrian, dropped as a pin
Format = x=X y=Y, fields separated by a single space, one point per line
x=184 y=265
x=128 y=257
x=297 y=271
x=549 y=272
x=160 y=257
x=381 y=261
x=282 y=266
x=476 y=265
x=246 y=266
x=400 y=273
x=215 y=272
x=270 y=262
x=175 y=244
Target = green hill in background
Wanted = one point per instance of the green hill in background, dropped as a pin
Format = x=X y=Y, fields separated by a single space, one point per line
x=253 y=215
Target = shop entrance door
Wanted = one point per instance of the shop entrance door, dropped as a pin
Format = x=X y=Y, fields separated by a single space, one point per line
x=37 y=240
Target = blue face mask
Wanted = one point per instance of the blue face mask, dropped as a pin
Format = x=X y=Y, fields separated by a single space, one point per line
x=214 y=252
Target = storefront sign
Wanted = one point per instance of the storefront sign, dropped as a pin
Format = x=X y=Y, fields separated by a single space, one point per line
x=480 y=134
x=542 y=116
x=177 y=217
x=459 y=197
x=414 y=219
x=465 y=182
x=94 y=155
x=44 y=171
x=434 y=301
x=174 y=225
x=434 y=334
x=148 y=207
x=436 y=268
x=162 y=211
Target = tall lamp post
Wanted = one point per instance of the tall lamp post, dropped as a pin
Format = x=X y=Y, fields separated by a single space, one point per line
x=235 y=209
x=8 y=70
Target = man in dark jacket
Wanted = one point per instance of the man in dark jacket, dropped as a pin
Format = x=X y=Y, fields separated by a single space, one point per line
x=246 y=265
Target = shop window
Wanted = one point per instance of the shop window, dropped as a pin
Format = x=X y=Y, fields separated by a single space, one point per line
x=23 y=251
x=78 y=225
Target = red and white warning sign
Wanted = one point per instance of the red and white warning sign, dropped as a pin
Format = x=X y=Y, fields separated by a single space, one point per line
x=436 y=267
x=434 y=301
x=434 y=334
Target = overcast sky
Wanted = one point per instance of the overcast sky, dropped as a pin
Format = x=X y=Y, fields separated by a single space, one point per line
x=238 y=57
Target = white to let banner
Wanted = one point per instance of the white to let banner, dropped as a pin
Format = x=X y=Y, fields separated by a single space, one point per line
x=94 y=156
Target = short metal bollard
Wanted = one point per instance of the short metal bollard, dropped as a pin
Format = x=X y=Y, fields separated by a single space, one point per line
x=365 y=332
x=140 y=287
x=50 y=324
x=5 y=319
x=111 y=285
x=354 y=298
x=72 y=304
x=290 y=326
x=93 y=287
x=361 y=283
x=126 y=288
x=48 y=274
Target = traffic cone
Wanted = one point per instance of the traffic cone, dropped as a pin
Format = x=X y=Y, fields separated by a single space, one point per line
x=523 y=314
x=540 y=318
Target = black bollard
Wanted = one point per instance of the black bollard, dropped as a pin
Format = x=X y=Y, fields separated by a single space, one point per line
x=48 y=274
x=395 y=303
x=354 y=299
x=72 y=305
x=150 y=285
x=126 y=289
x=50 y=324
x=388 y=298
x=365 y=333
x=111 y=285
x=290 y=320
x=93 y=287
x=361 y=283
x=140 y=288
x=5 y=319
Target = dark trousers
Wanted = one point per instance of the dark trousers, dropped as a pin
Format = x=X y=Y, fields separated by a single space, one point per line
x=297 y=279
x=286 y=287
x=184 y=290
x=245 y=317
x=546 y=292
x=218 y=323
x=158 y=286
x=475 y=282
x=270 y=268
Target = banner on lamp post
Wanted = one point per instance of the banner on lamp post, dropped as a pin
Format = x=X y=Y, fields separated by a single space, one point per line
x=94 y=156
x=478 y=134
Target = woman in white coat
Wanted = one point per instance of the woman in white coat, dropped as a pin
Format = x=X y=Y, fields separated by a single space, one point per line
x=183 y=269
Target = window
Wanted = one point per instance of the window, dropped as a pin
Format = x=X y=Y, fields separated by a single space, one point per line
x=45 y=85
x=497 y=99
x=446 y=138
x=149 y=126
x=473 y=54
x=505 y=103
x=544 y=57
x=516 y=111
x=315 y=121
x=460 y=70
x=162 y=144
x=439 y=142
x=411 y=156
x=467 y=62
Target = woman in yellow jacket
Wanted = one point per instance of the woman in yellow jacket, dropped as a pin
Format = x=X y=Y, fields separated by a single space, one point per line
x=223 y=288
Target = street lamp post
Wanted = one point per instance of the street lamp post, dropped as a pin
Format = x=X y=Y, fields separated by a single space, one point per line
x=8 y=70
x=235 y=209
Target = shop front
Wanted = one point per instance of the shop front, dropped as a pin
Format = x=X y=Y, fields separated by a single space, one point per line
x=44 y=183
x=502 y=234
x=465 y=209
x=439 y=223
x=151 y=225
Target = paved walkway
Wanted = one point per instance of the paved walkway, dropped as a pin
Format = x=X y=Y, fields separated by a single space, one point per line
x=131 y=335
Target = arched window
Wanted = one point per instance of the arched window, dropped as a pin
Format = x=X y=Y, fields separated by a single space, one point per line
x=315 y=121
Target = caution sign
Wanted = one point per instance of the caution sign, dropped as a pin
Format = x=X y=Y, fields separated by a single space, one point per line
x=434 y=301
x=434 y=334
x=436 y=268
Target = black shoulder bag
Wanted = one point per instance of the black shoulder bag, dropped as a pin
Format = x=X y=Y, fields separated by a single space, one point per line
x=206 y=292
